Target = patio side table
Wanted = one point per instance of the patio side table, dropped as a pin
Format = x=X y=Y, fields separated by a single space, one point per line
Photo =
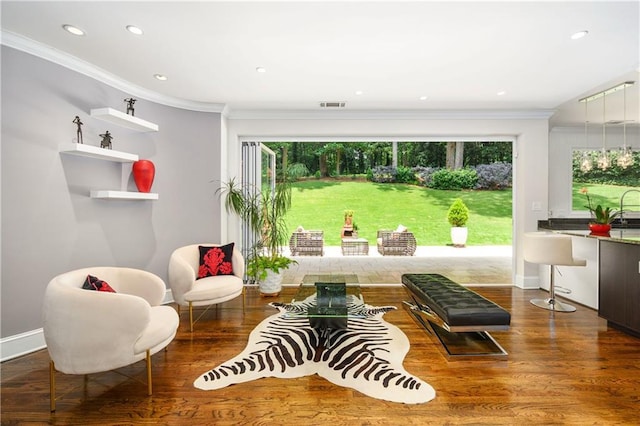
x=354 y=247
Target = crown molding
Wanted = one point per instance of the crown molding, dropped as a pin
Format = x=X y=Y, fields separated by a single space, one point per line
x=73 y=63
x=541 y=114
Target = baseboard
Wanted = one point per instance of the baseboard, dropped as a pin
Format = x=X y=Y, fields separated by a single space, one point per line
x=31 y=341
x=168 y=297
x=528 y=282
x=21 y=344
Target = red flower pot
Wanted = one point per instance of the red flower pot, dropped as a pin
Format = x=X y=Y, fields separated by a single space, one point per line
x=600 y=228
x=143 y=173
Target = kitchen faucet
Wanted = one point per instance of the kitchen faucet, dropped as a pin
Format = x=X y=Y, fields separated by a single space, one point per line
x=623 y=222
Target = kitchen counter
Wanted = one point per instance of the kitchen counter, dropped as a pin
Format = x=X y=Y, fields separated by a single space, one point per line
x=629 y=234
x=610 y=281
x=626 y=235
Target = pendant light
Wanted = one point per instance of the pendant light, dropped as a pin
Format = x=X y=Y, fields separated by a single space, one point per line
x=625 y=158
x=585 y=163
x=604 y=162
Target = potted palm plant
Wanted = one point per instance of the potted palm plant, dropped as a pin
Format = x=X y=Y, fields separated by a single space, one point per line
x=457 y=216
x=265 y=212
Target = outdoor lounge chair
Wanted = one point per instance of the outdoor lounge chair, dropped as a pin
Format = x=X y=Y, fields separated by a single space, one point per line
x=307 y=243
x=396 y=243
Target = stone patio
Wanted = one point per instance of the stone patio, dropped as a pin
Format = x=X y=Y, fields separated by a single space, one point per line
x=469 y=265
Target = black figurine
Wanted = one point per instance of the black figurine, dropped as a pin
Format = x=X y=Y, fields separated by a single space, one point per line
x=106 y=140
x=130 y=102
x=79 y=124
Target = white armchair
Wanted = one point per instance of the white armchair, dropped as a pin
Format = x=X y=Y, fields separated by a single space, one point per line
x=187 y=291
x=93 y=331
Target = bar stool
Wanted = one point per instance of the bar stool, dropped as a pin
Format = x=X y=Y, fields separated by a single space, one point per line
x=551 y=249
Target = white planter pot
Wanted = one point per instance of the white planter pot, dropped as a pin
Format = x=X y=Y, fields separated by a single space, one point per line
x=272 y=284
x=459 y=236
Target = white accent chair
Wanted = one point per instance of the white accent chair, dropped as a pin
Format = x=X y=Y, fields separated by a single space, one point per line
x=548 y=248
x=89 y=331
x=187 y=291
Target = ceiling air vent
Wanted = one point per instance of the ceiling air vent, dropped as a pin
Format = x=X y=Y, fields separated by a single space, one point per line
x=332 y=104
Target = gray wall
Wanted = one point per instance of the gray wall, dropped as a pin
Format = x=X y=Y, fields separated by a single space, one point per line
x=49 y=223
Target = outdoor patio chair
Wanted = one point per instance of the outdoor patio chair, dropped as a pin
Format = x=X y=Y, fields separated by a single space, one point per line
x=307 y=243
x=396 y=243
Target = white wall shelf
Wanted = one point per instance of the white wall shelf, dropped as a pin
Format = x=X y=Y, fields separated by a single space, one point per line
x=97 y=152
x=125 y=120
x=123 y=195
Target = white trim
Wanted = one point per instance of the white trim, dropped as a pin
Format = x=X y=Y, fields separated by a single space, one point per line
x=510 y=114
x=75 y=64
x=168 y=297
x=21 y=344
x=66 y=60
x=447 y=138
x=528 y=282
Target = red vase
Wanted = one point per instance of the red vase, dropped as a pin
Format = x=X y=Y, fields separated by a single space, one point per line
x=143 y=173
x=599 y=228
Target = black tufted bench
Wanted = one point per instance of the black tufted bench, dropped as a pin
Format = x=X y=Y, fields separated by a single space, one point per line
x=453 y=308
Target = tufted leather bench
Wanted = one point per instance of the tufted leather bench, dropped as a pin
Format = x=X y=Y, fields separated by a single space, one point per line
x=452 y=306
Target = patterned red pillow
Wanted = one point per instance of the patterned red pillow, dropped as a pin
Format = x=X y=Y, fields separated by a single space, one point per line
x=94 y=283
x=215 y=261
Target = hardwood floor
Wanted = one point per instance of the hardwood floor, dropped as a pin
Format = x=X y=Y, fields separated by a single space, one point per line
x=561 y=369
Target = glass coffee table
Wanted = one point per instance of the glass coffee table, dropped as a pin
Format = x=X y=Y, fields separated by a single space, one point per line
x=331 y=300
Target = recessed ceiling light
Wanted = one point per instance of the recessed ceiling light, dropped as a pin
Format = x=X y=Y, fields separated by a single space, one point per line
x=73 y=30
x=423 y=98
x=359 y=92
x=579 y=34
x=261 y=69
x=500 y=93
x=134 y=30
x=160 y=77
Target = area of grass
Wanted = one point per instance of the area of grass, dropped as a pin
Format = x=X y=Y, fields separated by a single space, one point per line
x=605 y=195
x=320 y=205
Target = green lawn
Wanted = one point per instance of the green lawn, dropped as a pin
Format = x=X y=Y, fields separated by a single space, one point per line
x=320 y=205
x=606 y=195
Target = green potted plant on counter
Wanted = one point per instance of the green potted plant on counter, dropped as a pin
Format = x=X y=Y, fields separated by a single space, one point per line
x=601 y=218
x=264 y=211
x=458 y=215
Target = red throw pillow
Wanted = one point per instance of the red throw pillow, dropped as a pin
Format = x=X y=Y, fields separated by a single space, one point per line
x=94 y=283
x=215 y=261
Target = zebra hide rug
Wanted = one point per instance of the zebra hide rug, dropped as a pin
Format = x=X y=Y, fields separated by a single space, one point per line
x=367 y=356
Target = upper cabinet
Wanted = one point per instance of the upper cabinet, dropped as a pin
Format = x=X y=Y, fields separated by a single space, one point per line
x=124 y=120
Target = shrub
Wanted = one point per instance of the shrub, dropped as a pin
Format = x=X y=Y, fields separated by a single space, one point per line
x=405 y=175
x=423 y=174
x=458 y=213
x=296 y=171
x=494 y=176
x=383 y=174
x=454 y=179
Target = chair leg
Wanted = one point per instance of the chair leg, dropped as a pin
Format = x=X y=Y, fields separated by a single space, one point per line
x=52 y=386
x=191 y=316
x=551 y=303
x=243 y=297
x=149 y=383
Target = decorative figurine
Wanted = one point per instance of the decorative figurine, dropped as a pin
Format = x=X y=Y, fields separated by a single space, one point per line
x=79 y=124
x=130 y=102
x=106 y=140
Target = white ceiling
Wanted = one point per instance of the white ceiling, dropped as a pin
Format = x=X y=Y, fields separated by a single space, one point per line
x=458 y=54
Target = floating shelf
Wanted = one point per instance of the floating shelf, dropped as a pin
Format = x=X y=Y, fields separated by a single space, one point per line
x=124 y=195
x=97 y=152
x=125 y=120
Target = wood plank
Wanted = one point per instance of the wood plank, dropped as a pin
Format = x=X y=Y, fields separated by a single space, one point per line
x=562 y=368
